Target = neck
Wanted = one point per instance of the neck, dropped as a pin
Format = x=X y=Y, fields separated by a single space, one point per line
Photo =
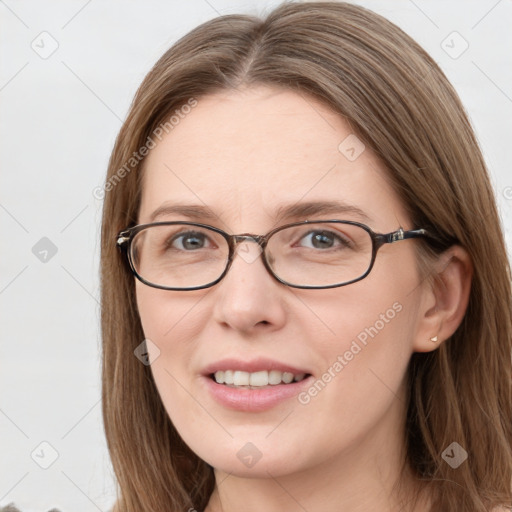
x=328 y=492
x=369 y=475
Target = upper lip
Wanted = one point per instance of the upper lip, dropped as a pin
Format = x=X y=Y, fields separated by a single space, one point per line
x=254 y=365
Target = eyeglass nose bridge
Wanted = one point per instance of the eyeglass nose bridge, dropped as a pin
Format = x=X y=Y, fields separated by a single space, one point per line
x=247 y=255
x=238 y=239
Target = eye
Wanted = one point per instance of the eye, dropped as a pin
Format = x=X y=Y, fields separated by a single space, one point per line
x=190 y=241
x=321 y=239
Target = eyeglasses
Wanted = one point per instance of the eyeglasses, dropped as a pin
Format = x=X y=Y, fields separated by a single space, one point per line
x=307 y=254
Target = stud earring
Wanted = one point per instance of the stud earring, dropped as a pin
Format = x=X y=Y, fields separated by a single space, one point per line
x=433 y=339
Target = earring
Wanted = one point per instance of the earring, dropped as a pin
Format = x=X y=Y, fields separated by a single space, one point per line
x=434 y=339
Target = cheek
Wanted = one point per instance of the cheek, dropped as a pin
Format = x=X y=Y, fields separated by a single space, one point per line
x=377 y=336
x=166 y=315
x=362 y=373
x=367 y=328
x=151 y=309
x=173 y=322
x=168 y=321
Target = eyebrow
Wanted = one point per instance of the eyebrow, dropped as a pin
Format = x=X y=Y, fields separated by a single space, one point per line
x=191 y=211
x=283 y=213
x=312 y=208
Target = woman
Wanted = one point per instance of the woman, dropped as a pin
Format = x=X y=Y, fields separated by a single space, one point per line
x=305 y=291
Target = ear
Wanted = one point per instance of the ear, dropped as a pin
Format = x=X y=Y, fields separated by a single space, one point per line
x=445 y=299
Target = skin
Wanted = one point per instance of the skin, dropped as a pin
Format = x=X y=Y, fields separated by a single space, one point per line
x=244 y=154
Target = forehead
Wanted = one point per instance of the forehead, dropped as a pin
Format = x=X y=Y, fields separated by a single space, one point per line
x=261 y=148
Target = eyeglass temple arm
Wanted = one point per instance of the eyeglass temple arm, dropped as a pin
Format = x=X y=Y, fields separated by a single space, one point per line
x=400 y=234
x=122 y=238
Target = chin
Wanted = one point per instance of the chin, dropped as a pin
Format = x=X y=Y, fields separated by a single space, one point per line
x=251 y=452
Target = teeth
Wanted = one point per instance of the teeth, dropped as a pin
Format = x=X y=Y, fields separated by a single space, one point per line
x=287 y=377
x=274 y=377
x=256 y=379
x=241 y=378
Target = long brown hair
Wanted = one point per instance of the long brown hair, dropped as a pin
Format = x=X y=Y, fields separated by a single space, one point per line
x=401 y=105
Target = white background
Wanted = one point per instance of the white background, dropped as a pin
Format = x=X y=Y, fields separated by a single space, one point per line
x=59 y=119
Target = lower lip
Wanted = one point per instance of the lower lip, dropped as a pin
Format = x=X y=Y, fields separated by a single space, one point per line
x=254 y=400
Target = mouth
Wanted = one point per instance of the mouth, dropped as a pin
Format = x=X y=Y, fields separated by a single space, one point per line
x=262 y=379
x=254 y=386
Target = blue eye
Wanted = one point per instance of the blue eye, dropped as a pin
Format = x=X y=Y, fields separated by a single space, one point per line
x=190 y=241
x=323 y=240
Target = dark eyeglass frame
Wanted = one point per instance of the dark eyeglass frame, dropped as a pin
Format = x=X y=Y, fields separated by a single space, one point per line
x=126 y=236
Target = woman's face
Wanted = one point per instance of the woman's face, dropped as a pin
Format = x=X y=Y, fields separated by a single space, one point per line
x=241 y=159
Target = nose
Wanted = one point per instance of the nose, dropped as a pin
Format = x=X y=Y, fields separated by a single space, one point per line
x=248 y=298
